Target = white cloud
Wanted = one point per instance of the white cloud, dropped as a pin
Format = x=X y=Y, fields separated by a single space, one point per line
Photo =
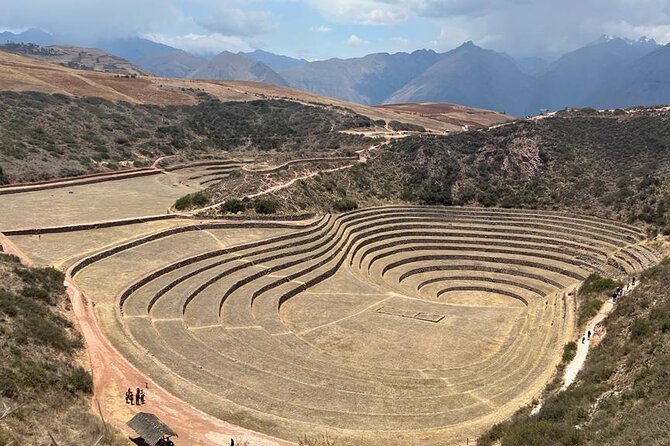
x=320 y=29
x=366 y=12
x=205 y=44
x=354 y=40
x=237 y=22
x=660 y=32
x=519 y=27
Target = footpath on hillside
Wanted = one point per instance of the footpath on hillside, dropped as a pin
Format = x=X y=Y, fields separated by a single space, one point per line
x=584 y=342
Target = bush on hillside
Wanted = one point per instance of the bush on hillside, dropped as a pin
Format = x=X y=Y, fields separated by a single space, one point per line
x=398 y=126
x=345 y=205
x=3 y=177
x=569 y=351
x=266 y=206
x=197 y=199
x=233 y=206
x=597 y=284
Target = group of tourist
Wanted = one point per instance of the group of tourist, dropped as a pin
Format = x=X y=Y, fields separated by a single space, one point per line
x=137 y=398
x=618 y=293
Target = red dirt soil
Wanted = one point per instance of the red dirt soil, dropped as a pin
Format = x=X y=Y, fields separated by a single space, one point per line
x=451 y=113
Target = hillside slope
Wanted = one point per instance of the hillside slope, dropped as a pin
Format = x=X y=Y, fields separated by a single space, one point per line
x=472 y=76
x=572 y=80
x=613 y=165
x=42 y=382
x=452 y=113
x=230 y=66
x=155 y=58
x=368 y=80
x=621 y=396
x=79 y=58
x=48 y=136
x=18 y=73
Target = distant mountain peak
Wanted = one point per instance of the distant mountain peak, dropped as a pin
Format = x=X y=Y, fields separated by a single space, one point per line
x=468 y=45
x=230 y=66
x=606 y=38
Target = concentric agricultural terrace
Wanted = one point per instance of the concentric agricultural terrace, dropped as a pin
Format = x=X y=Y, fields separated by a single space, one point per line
x=379 y=326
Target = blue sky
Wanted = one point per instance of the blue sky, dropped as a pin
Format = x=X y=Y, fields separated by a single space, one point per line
x=319 y=29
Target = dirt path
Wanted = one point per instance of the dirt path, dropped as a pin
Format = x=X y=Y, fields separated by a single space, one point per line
x=572 y=369
x=288 y=183
x=113 y=374
x=10 y=248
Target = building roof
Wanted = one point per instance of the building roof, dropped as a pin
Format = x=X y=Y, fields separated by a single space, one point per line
x=150 y=428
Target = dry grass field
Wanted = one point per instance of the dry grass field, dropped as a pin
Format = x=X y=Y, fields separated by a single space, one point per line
x=108 y=200
x=451 y=113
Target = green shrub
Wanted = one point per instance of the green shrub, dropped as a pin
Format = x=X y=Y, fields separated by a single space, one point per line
x=569 y=351
x=35 y=293
x=233 y=206
x=345 y=205
x=199 y=199
x=78 y=380
x=266 y=205
x=398 y=126
x=3 y=177
x=543 y=433
x=597 y=284
x=183 y=203
x=640 y=329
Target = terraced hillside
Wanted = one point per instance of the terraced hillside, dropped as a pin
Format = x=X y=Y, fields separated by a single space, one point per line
x=381 y=326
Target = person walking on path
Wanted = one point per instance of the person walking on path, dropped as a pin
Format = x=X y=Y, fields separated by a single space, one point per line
x=137 y=396
x=583 y=339
x=129 y=396
x=142 y=396
x=588 y=335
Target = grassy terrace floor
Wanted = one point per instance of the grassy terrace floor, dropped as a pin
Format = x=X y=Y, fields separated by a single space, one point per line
x=109 y=200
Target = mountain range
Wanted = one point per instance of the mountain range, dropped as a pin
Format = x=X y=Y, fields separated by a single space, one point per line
x=608 y=73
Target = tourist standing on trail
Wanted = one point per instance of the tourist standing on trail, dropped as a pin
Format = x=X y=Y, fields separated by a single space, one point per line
x=142 y=396
x=583 y=339
x=232 y=442
x=588 y=335
x=129 y=396
x=137 y=396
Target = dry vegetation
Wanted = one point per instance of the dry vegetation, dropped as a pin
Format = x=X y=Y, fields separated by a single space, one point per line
x=20 y=74
x=615 y=165
x=79 y=58
x=44 y=390
x=452 y=113
x=47 y=136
